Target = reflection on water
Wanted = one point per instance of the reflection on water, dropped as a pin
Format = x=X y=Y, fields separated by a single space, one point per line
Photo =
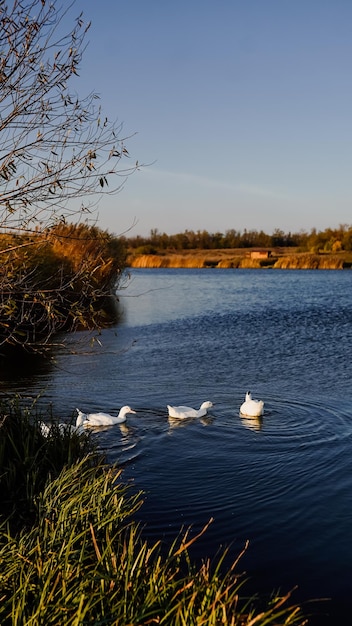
x=19 y=370
x=253 y=423
x=174 y=422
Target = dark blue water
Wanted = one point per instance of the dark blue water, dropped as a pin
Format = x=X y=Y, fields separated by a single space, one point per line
x=283 y=482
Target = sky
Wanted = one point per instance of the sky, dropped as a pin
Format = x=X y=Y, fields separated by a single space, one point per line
x=241 y=111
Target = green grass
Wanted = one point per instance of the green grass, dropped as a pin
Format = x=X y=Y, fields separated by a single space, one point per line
x=28 y=459
x=80 y=558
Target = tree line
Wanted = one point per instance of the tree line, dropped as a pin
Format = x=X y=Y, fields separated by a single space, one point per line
x=328 y=240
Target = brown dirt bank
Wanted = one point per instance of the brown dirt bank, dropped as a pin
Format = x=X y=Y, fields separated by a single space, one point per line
x=279 y=259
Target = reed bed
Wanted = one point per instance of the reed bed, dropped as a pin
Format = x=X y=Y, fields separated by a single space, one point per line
x=188 y=260
x=310 y=262
x=226 y=259
x=83 y=559
x=63 y=278
x=163 y=261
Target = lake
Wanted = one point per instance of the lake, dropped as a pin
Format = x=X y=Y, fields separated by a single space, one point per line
x=283 y=482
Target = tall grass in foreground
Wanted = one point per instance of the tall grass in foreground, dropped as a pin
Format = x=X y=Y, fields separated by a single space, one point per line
x=86 y=563
x=84 y=560
x=28 y=459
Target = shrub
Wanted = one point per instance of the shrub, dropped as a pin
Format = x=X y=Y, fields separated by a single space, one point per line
x=61 y=279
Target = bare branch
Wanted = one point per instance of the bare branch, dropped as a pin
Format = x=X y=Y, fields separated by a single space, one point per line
x=55 y=146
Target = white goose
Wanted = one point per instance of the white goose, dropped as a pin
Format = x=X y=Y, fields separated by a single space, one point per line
x=252 y=408
x=88 y=420
x=184 y=412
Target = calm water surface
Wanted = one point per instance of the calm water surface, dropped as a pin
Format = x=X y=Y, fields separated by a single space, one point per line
x=283 y=482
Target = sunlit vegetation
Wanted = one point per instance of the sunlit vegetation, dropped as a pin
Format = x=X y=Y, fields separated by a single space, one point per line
x=59 y=156
x=62 y=278
x=329 y=240
x=313 y=261
x=71 y=551
x=28 y=459
x=228 y=259
x=331 y=249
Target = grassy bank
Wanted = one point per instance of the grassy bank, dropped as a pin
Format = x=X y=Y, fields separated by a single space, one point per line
x=241 y=258
x=79 y=557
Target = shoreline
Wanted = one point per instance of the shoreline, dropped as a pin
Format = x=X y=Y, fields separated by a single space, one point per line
x=240 y=259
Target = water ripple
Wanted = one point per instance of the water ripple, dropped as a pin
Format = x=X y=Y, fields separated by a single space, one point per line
x=284 y=482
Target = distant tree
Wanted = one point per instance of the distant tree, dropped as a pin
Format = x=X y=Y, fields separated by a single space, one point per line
x=217 y=240
x=232 y=239
x=192 y=238
x=330 y=239
x=278 y=238
x=347 y=238
x=248 y=239
x=317 y=240
x=180 y=241
x=57 y=150
x=154 y=235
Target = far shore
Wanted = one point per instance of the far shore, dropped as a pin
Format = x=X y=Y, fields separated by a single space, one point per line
x=283 y=258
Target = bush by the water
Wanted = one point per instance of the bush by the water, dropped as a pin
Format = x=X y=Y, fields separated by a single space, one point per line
x=59 y=279
x=79 y=557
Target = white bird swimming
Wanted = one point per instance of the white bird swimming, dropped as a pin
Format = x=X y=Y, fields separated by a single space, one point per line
x=252 y=408
x=102 y=419
x=48 y=429
x=183 y=412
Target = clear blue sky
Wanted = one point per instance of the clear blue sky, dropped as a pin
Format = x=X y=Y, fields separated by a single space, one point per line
x=244 y=107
